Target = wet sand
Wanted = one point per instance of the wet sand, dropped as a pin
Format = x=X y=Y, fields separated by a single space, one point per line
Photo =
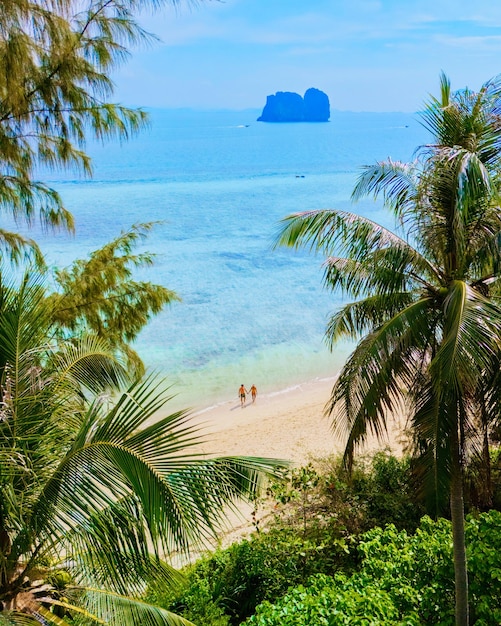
x=287 y=424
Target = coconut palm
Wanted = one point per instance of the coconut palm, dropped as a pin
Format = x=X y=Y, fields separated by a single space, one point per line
x=98 y=484
x=424 y=313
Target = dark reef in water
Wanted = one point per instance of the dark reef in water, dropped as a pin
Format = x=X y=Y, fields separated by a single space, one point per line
x=287 y=106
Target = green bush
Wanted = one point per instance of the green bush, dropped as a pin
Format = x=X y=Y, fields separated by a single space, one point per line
x=328 y=601
x=381 y=490
x=483 y=540
x=194 y=601
x=403 y=579
x=496 y=478
x=235 y=580
x=323 y=500
x=415 y=570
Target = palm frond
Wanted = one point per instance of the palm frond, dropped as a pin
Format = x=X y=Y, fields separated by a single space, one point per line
x=385 y=271
x=88 y=364
x=122 y=458
x=357 y=318
x=16 y=618
x=343 y=234
x=431 y=454
x=118 y=610
x=395 y=181
x=470 y=339
x=112 y=550
x=374 y=380
x=24 y=317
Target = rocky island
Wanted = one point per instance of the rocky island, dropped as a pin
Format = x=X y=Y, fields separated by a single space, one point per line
x=287 y=106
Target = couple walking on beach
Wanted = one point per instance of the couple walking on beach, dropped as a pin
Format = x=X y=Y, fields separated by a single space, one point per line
x=243 y=391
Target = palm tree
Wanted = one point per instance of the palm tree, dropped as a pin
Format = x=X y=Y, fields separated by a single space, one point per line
x=98 y=485
x=424 y=312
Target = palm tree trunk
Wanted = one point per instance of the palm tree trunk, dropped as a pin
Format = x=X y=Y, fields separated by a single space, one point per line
x=458 y=537
x=486 y=490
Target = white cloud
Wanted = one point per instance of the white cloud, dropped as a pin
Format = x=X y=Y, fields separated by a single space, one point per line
x=374 y=42
x=475 y=44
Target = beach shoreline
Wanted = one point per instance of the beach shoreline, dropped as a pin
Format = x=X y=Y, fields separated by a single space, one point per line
x=289 y=423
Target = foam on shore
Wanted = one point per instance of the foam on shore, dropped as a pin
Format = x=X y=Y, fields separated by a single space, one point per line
x=288 y=423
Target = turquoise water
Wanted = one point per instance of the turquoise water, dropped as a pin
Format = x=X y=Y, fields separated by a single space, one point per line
x=219 y=183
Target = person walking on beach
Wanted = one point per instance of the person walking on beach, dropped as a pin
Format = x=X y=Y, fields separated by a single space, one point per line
x=241 y=392
x=253 y=392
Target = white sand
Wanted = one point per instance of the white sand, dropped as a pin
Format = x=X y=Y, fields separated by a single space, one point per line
x=288 y=424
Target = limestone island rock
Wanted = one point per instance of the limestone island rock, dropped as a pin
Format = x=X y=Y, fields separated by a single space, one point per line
x=287 y=106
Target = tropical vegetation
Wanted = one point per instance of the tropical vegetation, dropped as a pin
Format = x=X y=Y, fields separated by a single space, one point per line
x=99 y=483
x=316 y=515
x=100 y=295
x=402 y=580
x=425 y=308
x=330 y=551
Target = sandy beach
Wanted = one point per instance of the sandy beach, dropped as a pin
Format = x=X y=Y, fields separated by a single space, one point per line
x=286 y=424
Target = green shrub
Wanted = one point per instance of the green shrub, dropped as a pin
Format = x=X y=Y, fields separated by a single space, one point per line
x=194 y=601
x=483 y=540
x=322 y=500
x=231 y=583
x=235 y=580
x=328 y=601
x=495 y=455
x=383 y=487
x=415 y=570
x=403 y=579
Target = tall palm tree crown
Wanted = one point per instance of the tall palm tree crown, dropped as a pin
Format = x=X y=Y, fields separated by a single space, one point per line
x=425 y=312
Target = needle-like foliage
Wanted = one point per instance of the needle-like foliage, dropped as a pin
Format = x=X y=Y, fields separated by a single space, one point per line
x=56 y=59
x=99 y=295
x=425 y=308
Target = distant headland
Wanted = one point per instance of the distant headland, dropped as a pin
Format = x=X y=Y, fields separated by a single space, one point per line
x=287 y=106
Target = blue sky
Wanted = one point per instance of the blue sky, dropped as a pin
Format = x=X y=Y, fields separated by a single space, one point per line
x=367 y=55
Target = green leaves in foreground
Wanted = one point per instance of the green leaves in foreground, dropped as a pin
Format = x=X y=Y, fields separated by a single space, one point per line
x=99 y=483
x=403 y=580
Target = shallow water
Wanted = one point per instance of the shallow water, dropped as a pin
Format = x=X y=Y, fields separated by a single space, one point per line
x=218 y=183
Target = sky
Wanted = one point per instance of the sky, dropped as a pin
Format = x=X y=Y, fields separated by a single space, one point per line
x=367 y=55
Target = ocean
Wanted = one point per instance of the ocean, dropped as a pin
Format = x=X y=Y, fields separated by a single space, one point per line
x=218 y=183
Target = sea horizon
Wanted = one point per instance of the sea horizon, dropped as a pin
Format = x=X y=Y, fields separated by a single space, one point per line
x=259 y=109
